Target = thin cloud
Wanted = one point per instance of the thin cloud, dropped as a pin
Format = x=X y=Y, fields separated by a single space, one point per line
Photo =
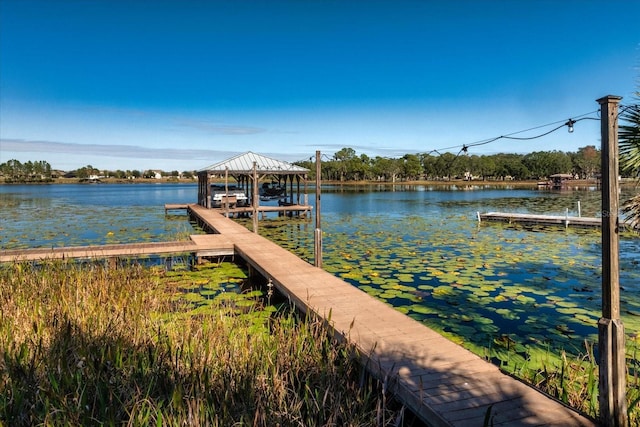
x=220 y=129
x=109 y=150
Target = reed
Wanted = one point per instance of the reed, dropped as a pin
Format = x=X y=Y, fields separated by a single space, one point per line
x=85 y=344
x=574 y=379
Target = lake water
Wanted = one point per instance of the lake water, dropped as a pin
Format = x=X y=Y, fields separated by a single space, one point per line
x=81 y=214
x=510 y=290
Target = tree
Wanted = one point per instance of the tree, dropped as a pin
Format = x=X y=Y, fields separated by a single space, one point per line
x=12 y=170
x=342 y=159
x=428 y=165
x=15 y=171
x=365 y=166
x=485 y=166
x=629 y=143
x=385 y=168
x=86 y=171
x=446 y=166
x=586 y=162
x=542 y=164
x=511 y=165
x=411 y=167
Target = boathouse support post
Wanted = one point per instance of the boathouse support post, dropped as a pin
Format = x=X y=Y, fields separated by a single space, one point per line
x=612 y=375
x=207 y=191
x=318 y=230
x=204 y=192
x=306 y=193
x=255 y=198
x=226 y=191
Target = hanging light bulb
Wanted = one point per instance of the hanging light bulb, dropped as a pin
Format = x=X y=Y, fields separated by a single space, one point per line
x=570 y=124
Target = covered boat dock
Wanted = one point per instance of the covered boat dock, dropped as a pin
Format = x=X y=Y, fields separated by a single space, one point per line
x=249 y=173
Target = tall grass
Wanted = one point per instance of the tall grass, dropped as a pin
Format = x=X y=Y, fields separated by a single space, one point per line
x=574 y=379
x=86 y=345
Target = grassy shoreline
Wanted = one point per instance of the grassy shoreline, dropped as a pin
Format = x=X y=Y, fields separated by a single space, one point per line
x=85 y=344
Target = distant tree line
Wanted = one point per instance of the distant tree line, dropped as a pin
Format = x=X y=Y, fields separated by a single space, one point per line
x=347 y=165
x=16 y=171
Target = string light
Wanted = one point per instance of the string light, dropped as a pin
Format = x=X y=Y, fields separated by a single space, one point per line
x=569 y=124
x=562 y=123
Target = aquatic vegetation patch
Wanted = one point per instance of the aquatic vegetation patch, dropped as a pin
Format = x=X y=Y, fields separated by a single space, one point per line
x=477 y=284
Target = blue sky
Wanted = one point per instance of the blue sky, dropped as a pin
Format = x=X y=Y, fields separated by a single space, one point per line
x=179 y=85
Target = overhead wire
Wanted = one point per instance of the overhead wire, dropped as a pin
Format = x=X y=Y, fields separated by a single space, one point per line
x=464 y=148
x=562 y=123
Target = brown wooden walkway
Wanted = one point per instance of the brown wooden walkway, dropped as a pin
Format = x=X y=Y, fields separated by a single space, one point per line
x=200 y=245
x=444 y=384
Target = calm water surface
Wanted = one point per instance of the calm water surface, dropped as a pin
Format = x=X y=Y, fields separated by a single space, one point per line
x=419 y=248
x=81 y=214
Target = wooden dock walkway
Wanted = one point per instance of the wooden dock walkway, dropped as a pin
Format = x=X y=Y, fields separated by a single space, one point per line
x=200 y=245
x=442 y=383
x=564 y=220
x=233 y=211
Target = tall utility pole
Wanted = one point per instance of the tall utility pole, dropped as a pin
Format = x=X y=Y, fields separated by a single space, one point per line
x=318 y=230
x=613 y=377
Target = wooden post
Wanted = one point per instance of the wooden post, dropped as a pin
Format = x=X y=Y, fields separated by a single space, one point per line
x=207 y=191
x=226 y=190
x=318 y=230
x=255 y=198
x=612 y=377
x=306 y=195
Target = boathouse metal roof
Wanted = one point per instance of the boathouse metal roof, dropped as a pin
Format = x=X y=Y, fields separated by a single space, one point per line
x=243 y=163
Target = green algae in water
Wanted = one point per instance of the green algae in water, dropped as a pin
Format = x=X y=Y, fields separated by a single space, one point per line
x=211 y=285
x=473 y=283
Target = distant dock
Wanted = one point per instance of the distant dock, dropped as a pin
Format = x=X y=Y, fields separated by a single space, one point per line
x=561 y=220
x=564 y=220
